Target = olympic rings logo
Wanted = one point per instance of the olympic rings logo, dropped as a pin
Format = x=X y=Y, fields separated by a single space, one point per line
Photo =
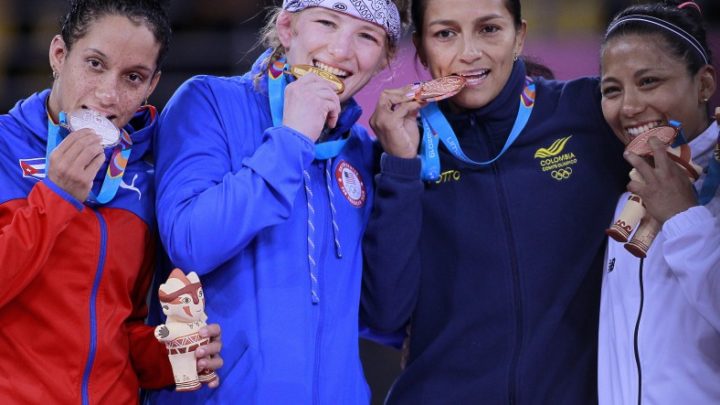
x=561 y=174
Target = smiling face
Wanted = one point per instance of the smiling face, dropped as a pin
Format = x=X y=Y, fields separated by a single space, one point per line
x=644 y=86
x=476 y=39
x=112 y=69
x=352 y=49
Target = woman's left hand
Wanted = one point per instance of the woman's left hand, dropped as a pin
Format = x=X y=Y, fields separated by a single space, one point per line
x=208 y=356
x=666 y=190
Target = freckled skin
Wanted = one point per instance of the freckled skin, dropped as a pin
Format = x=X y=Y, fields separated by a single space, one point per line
x=111 y=69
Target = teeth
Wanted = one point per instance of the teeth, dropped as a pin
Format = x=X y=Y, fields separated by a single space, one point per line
x=635 y=131
x=330 y=69
x=475 y=74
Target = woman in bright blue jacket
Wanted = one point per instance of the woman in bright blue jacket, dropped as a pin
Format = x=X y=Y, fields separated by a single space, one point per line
x=264 y=189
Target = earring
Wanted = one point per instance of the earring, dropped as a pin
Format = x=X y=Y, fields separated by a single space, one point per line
x=515 y=57
x=54 y=74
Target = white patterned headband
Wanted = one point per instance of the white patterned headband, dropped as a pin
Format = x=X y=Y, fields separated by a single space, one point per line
x=381 y=12
x=662 y=24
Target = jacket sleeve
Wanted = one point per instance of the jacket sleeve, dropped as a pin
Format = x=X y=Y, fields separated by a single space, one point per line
x=148 y=356
x=392 y=264
x=210 y=207
x=692 y=250
x=28 y=231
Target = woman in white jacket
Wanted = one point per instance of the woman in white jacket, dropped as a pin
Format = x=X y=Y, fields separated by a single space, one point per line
x=660 y=316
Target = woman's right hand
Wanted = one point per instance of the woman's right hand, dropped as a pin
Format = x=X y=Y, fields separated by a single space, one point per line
x=75 y=162
x=310 y=103
x=394 y=121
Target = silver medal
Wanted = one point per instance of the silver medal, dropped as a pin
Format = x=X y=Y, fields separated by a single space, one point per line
x=109 y=134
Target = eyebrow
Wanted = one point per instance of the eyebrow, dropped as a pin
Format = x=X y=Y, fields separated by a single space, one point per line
x=482 y=19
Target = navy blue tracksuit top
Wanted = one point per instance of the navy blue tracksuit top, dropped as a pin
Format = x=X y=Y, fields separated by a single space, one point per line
x=497 y=269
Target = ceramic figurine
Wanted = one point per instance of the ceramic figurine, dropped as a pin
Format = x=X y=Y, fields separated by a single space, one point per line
x=183 y=302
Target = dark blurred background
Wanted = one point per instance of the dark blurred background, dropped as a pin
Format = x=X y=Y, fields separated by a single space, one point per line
x=218 y=37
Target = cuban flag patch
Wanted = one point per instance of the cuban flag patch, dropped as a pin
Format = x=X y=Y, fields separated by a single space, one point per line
x=33 y=168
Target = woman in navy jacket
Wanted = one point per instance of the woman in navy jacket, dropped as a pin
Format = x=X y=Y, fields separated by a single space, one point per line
x=493 y=254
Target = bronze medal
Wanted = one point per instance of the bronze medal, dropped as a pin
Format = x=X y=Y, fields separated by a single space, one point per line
x=440 y=89
x=109 y=134
x=301 y=70
x=641 y=147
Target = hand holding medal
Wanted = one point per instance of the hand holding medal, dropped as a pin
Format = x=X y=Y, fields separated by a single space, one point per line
x=74 y=163
x=311 y=102
x=657 y=191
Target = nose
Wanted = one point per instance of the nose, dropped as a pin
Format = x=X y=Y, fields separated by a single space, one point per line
x=471 y=49
x=340 y=45
x=106 y=91
x=631 y=103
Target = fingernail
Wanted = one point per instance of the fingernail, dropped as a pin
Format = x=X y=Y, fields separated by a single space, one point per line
x=203 y=332
x=201 y=352
x=202 y=364
x=413 y=90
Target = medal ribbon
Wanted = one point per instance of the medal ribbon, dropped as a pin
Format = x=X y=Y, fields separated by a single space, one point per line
x=116 y=165
x=712 y=179
x=436 y=129
x=276 y=92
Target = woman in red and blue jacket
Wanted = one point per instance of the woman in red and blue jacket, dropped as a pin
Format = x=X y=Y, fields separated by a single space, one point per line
x=76 y=219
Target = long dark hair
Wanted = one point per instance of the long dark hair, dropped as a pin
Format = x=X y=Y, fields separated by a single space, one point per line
x=83 y=13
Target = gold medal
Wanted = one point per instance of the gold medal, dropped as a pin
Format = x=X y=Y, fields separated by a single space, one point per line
x=440 y=89
x=301 y=70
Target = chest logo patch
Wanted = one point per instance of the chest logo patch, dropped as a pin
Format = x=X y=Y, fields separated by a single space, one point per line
x=351 y=184
x=556 y=161
x=33 y=168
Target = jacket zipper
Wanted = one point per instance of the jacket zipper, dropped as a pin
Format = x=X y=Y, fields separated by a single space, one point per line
x=512 y=371
x=93 y=309
x=637 y=332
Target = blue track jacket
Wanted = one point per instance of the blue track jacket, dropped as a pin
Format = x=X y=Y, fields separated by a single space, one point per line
x=232 y=207
x=498 y=268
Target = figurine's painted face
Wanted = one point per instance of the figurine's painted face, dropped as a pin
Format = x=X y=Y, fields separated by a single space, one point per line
x=187 y=304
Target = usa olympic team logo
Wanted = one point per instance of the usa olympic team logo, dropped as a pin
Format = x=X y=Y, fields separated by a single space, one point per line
x=351 y=184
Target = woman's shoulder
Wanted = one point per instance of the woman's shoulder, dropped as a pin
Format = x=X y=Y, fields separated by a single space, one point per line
x=218 y=85
x=589 y=85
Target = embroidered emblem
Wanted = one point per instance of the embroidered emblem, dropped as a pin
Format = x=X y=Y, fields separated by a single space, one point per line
x=448 y=176
x=351 y=184
x=33 y=168
x=555 y=160
x=131 y=186
x=611 y=265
